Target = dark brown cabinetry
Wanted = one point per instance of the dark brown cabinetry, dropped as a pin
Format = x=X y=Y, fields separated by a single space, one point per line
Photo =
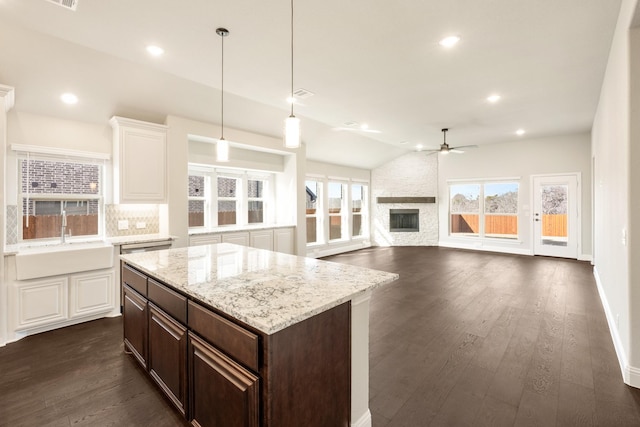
x=220 y=372
x=224 y=394
x=135 y=324
x=167 y=356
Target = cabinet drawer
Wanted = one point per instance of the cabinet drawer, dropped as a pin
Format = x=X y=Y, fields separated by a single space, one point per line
x=235 y=341
x=170 y=301
x=134 y=279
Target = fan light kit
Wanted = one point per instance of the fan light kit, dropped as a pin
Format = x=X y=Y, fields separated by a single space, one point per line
x=445 y=149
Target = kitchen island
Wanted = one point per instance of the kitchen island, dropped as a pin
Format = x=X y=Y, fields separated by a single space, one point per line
x=242 y=336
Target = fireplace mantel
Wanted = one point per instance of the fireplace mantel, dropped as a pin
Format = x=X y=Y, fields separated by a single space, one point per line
x=406 y=199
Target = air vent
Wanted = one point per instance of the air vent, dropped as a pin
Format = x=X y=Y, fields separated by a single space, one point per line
x=67 y=4
x=302 y=93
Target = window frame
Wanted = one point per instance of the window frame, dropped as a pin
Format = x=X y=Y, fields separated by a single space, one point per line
x=28 y=197
x=364 y=209
x=482 y=214
x=241 y=196
x=318 y=215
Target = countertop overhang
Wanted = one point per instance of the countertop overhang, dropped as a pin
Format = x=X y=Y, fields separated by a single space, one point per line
x=266 y=290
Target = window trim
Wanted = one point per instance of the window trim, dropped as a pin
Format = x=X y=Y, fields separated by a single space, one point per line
x=29 y=153
x=482 y=214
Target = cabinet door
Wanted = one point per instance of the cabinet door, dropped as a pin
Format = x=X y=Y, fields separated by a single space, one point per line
x=239 y=238
x=204 y=239
x=262 y=239
x=167 y=356
x=223 y=393
x=91 y=293
x=39 y=302
x=135 y=324
x=140 y=161
x=283 y=240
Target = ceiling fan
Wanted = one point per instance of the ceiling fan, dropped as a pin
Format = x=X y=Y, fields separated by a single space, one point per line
x=444 y=147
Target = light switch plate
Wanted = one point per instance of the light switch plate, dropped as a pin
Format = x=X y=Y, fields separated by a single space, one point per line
x=141 y=224
x=123 y=224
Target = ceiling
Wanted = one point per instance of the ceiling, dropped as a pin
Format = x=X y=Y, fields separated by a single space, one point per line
x=374 y=62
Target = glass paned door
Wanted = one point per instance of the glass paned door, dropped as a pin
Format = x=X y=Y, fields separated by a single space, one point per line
x=555 y=216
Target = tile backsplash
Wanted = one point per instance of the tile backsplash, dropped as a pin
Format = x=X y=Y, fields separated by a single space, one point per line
x=12 y=225
x=135 y=215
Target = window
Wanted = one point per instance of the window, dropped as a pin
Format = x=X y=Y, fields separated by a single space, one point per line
x=53 y=189
x=359 y=209
x=227 y=200
x=256 y=200
x=336 y=210
x=501 y=210
x=198 y=199
x=489 y=210
x=465 y=209
x=221 y=197
x=314 y=213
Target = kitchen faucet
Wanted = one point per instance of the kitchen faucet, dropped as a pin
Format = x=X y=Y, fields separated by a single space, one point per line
x=63 y=227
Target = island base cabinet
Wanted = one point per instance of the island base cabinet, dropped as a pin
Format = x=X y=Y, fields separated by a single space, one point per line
x=167 y=356
x=135 y=325
x=223 y=393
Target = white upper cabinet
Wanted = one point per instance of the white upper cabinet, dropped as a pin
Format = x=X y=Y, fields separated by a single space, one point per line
x=139 y=161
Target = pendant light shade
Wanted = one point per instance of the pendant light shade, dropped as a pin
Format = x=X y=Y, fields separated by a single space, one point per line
x=222 y=150
x=292 y=132
x=292 y=123
x=222 y=146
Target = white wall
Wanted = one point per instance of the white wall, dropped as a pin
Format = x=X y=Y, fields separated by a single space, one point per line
x=411 y=175
x=616 y=190
x=519 y=159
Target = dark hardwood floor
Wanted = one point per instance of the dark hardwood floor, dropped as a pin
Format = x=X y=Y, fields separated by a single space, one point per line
x=463 y=338
x=469 y=338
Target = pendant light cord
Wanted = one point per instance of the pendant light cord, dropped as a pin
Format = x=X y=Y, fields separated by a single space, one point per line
x=222 y=89
x=292 y=98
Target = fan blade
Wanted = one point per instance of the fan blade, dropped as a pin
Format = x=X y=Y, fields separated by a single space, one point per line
x=464 y=146
x=456 y=150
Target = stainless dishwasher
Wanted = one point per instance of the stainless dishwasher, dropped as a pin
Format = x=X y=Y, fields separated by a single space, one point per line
x=131 y=248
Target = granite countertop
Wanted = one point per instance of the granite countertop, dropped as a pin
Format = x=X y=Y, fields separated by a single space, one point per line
x=266 y=290
x=56 y=244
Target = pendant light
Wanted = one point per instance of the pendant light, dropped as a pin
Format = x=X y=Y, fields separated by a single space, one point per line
x=292 y=123
x=222 y=146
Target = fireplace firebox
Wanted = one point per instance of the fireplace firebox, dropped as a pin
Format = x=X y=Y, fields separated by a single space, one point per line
x=404 y=220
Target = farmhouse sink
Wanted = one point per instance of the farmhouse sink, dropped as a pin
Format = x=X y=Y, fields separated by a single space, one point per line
x=53 y=260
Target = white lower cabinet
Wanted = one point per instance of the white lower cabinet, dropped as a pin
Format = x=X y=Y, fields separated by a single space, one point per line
x=261 y=239
x=40 y=302
x=44 y=304
x=91 y=294
x=283 y=240
x=280 y=239
x=239 y=238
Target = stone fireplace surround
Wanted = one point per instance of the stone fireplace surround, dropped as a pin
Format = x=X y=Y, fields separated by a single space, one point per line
x=408 y=182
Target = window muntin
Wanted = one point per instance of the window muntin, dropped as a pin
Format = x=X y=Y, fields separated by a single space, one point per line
x=488 y=209
x=313 y=210
x=336 y=200
x=51 y=189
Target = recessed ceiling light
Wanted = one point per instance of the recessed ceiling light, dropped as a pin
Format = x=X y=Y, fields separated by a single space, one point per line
x=69 y=98
x=520 y=132
x=403 y=142
x=419 y=147
x=449 y=41
x=155 y=50
x=494 y=98
x=364 y=126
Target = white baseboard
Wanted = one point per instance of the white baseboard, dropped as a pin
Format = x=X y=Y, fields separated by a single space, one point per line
x=477 y=246
x=630 y=374
x=585 y=257
x=363 y=421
